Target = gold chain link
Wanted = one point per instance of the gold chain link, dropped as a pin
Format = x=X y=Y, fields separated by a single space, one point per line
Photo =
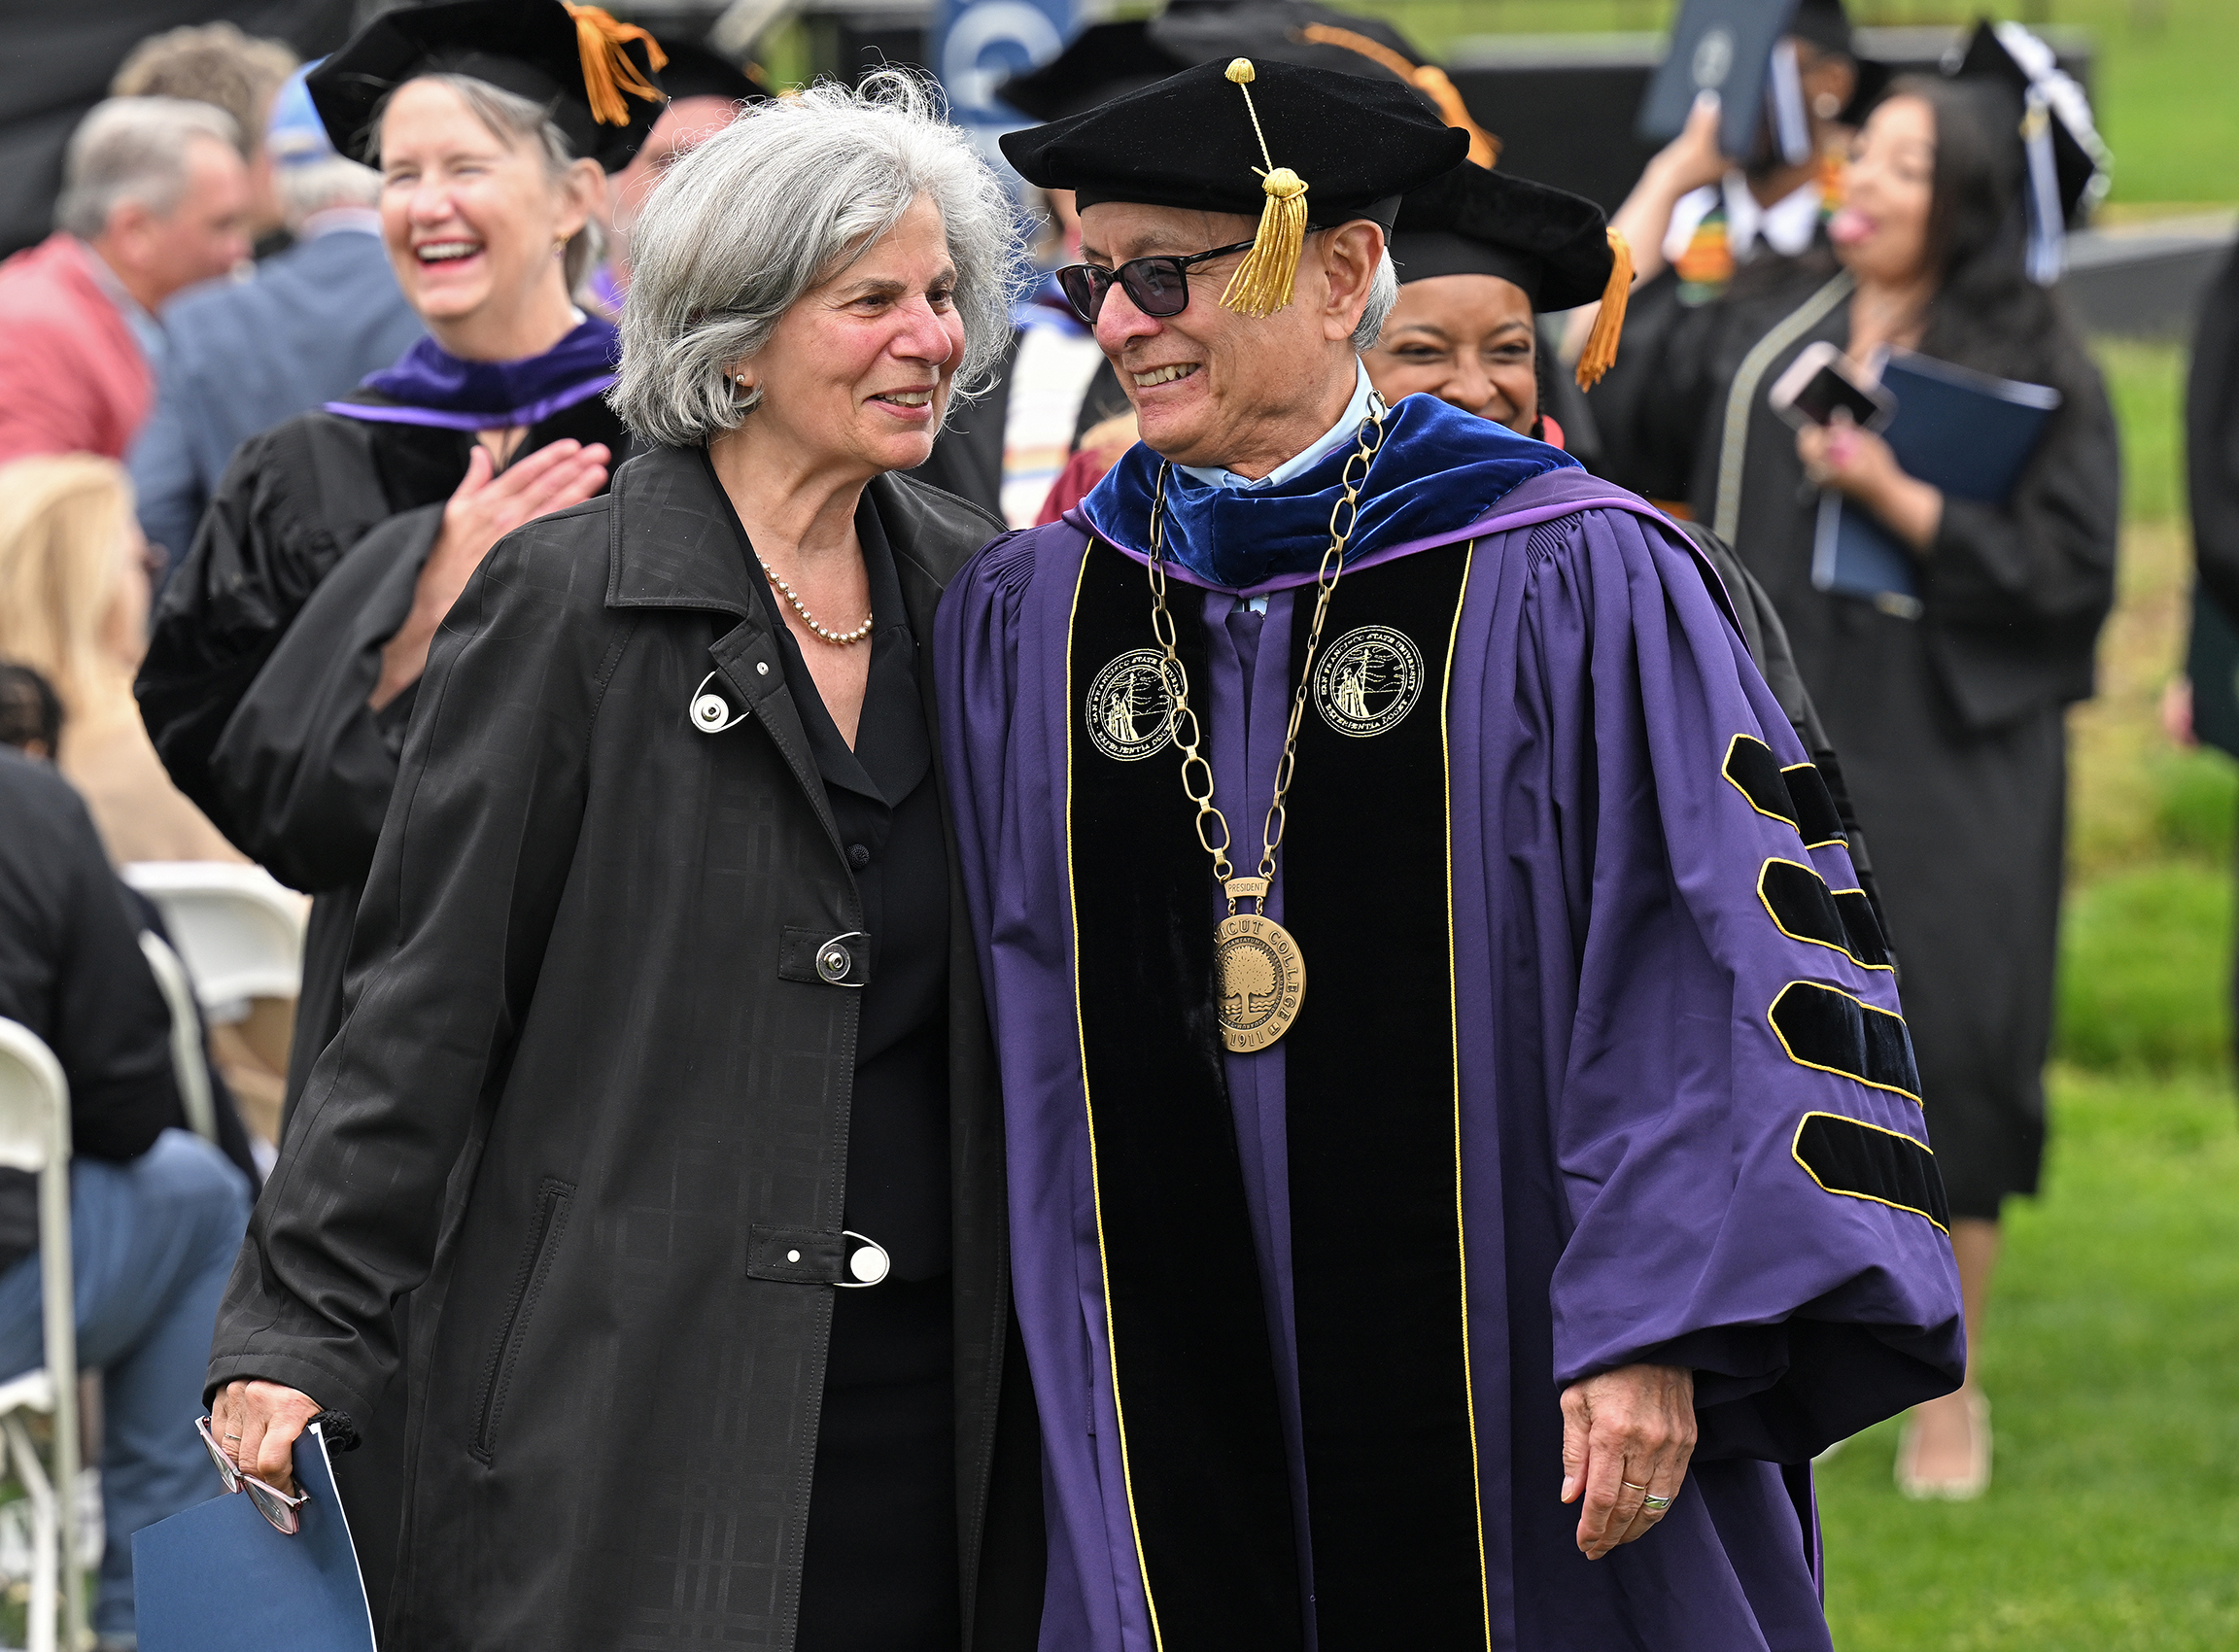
x=1183 y=721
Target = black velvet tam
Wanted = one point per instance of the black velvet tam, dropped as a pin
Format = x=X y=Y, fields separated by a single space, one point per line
x=1188 y=142
x=528 y=47
x=1474 y=221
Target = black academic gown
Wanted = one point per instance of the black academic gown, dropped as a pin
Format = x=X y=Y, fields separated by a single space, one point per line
x=1951 y=726
x=268 y=642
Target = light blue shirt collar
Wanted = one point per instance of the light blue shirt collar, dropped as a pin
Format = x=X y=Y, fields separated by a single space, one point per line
x=1335 y=435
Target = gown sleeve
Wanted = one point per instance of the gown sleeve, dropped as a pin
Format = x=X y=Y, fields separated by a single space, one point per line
x=1733 y=1103
x=451 y=935
x=291 y=502
x=305 y=767
x=2212 y=439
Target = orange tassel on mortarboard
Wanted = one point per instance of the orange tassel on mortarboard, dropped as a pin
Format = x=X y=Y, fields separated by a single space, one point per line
x=1600 y=352
x=608 y=69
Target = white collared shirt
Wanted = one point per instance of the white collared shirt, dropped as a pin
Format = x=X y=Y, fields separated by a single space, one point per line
x=1330 y=440
x=1786 y=226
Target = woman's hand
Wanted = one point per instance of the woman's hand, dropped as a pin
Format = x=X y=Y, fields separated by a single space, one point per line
x=1680 y=167
x=1627 y=1434
x=258 y=1424
x=1859 y=465
x=485 y=507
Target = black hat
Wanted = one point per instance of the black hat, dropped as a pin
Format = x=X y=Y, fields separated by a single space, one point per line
x=2052 y=112
x=693 y=70
x=594 y=76
x=1556 y=246
x=1824 y=24
x=1313 y=148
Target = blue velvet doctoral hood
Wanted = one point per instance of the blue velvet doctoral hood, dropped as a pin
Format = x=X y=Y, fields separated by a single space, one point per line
x=1439 y=470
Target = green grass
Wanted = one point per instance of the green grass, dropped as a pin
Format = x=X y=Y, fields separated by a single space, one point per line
x=2112 y=1521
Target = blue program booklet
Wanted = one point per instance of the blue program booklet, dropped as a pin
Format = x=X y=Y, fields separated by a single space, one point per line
x=1963 y=431
x=217 y=1579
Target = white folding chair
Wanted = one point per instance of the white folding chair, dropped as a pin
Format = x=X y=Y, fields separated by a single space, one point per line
x=237 y=928
x=35 y=1136
x=188 y=1065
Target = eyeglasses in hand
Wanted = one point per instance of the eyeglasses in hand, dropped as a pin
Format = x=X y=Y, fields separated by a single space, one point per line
x=276 y=1506
x=1158 y=286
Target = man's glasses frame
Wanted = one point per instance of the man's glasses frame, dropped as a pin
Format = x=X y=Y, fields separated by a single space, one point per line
x=1158 y=286
x=278 y=1508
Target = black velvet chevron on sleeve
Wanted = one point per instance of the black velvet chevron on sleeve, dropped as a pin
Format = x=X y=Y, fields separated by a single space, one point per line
x=1826 y=1028
x=1864 y=1161
x=1804 y=909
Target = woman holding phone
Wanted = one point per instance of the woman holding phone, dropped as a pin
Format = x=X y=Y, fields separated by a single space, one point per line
x=1948 y=712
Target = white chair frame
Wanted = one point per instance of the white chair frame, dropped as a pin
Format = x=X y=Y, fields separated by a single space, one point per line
x=35 y=1136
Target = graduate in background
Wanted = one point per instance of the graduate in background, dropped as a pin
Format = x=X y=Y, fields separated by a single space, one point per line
x=1951 y=723
x=1481 y=256
x=1390 y=740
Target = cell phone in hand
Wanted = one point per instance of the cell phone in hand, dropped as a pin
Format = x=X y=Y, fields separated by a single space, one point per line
x=1821 y=383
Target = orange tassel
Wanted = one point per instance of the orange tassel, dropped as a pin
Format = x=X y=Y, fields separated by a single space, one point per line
x=1600 y=352
x=1426 y=78
x=608 y=69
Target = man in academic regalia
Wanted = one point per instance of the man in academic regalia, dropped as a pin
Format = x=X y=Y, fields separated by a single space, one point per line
x=1391 y=740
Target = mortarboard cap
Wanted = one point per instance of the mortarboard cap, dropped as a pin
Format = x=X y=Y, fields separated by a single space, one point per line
x=1314 y=147
x=694 y=70
x=2053 y=111
x=1824 y=24
x=1110 y=59
x=593 y=75
x=1556 y=246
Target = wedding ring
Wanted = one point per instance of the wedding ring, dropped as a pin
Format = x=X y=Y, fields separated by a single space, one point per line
x=1655 y=1506
x=232 y=1436
x=1629 y=1486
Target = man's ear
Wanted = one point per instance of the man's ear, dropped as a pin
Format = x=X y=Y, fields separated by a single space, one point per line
x=1351 y=254
x=126 y=232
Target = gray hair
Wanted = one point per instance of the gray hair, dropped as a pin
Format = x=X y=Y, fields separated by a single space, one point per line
x=307 y=187
x=133 y=149
x=516 y=119
x=1383 y=293
x=778 y=203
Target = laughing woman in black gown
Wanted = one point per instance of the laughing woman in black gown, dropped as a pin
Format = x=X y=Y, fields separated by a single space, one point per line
x=288 y=649
x=1951 y=722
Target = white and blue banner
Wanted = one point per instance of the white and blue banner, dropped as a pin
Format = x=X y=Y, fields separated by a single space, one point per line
x=978 y=44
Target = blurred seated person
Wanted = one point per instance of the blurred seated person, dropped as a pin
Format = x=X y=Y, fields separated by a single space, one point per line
x=154 y=198
x=1697 y=215
x=216 y=63
x=288 y=649
x=705 y=92
x=241 y=357
x=156 y=1214
x=1947 y=706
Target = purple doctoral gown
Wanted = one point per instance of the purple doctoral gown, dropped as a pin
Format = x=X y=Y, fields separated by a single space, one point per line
x=1679 y=1097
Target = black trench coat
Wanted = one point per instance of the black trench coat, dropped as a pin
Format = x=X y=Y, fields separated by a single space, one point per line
x=592 y=1088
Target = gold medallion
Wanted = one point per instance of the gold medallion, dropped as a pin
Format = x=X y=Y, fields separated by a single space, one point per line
x=1258 y=981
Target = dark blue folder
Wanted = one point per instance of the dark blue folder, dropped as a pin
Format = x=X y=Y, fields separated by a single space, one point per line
x=218 y=1579
x=1965 y=433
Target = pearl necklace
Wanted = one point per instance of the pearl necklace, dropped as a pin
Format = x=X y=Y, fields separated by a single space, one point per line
x=838 y=639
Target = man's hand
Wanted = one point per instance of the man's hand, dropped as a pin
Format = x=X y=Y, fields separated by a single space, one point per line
x=257 y=1425
x=1627 y=1434
x=485 y=507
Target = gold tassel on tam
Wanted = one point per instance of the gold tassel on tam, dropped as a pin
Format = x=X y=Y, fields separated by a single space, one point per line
x=1263 y=281
x=1600 y=352
x=608 y=69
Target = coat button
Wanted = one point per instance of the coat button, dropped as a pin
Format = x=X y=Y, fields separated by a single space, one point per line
x=869 y=1265
x=858 y=856
x=833 y=962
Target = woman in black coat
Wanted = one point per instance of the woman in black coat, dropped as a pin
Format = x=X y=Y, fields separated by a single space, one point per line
x=665 y=1065
x=1950 y=717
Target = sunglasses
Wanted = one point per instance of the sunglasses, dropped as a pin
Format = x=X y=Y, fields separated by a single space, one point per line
x=276 y=1506
x=1156 y=286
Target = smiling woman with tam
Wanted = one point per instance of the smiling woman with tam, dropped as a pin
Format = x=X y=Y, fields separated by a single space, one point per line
x=663 y=1079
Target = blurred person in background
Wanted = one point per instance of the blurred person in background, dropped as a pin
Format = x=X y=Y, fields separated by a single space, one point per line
x=216 y=63
x=154 y=198
x=156 y=1213
x=241 y=357
x=286 y=651
x=1950 y=723
x=706 y=93
x=30 y=711
x=677 y=881
x=1697 y=215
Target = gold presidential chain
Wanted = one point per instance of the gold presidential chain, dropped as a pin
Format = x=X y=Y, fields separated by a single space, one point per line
x=1260 y=976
